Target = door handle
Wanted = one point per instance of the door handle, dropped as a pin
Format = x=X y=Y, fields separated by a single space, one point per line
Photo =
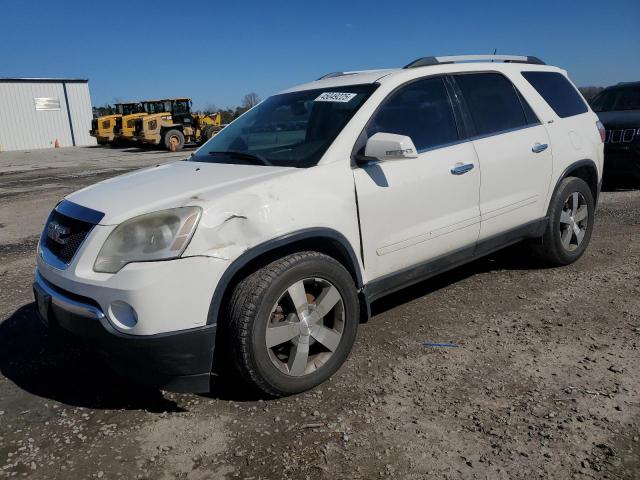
x=539 y=147
x=460 y=168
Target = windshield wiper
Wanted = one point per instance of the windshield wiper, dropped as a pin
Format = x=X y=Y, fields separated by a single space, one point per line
x=258 y=159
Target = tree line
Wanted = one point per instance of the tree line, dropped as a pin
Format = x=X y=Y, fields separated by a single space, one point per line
x=589 y=93
x=229 y=114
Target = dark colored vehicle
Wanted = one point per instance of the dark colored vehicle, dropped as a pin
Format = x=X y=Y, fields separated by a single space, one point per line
x=619 y=110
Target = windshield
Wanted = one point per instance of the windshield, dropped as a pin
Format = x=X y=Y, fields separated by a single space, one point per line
x=156 y=107
x=625 y=98
x=181 y=106
x=287 y=130
x=130 y=108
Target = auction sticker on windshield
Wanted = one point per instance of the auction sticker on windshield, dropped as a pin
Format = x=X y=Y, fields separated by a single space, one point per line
x=342 y=97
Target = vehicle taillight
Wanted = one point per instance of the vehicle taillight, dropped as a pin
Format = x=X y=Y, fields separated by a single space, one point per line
x=602 y=131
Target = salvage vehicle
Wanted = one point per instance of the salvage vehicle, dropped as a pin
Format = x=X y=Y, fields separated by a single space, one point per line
x=619 y=110
x=265 y=248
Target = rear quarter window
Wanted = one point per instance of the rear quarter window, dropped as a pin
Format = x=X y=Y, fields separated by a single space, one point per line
x=558 y=92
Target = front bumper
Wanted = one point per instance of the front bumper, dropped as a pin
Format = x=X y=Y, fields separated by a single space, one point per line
x=150 y=138
x=623 y=160
x=178 y=361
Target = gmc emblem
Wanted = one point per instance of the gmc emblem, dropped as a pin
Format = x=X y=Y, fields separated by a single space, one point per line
x=58 y=233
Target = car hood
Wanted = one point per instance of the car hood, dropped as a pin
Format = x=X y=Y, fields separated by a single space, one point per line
x=620 y=119
x=168 y=186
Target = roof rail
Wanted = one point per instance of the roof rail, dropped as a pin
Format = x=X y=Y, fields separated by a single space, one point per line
x=331 y=75
x=430 y=61
x=340 y=74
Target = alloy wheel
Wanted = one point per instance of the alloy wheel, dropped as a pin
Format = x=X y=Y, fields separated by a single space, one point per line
x=574 y=219
x=305 y=326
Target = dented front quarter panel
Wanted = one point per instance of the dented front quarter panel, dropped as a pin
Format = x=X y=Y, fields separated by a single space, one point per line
x=320 y=196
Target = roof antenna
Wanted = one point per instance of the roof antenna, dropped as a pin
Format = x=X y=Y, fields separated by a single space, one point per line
x=495 y=50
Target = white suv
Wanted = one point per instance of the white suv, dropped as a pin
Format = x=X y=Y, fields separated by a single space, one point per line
x=270 y=242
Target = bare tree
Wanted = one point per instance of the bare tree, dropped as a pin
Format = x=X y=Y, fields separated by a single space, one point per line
x=250 y=100
x=211 y=108
x=589 y=93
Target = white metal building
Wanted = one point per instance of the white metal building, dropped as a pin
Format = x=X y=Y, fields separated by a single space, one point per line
x=35 y=112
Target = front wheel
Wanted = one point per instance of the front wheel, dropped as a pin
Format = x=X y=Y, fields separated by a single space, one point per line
x=570 y=225
x=293 y=323
x=174 y=140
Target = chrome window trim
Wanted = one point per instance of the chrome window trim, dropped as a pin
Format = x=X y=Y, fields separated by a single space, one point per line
x=503 y=132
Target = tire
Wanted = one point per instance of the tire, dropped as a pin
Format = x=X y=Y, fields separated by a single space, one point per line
x=173 y=140
x=562 y=243
x=207 y=133
x=262 y=301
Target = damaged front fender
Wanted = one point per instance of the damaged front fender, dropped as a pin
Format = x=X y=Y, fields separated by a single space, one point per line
x=230 y=227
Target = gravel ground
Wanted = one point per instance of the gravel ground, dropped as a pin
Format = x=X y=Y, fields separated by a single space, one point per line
x=543 y=382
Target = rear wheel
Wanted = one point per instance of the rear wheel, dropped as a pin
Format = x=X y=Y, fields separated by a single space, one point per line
x=174 y=140
x=570 y=223
x=293 y=323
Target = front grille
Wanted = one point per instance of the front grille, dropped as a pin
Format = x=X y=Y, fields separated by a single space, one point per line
x=621 y=135
x=64 y=235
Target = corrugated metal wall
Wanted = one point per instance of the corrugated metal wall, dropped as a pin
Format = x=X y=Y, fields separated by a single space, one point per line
x=23 y=127
x=81 y=113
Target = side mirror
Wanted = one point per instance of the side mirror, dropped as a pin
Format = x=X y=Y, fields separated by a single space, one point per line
x=389 y=146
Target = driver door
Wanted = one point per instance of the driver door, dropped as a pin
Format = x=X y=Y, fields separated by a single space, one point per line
x=416 y=210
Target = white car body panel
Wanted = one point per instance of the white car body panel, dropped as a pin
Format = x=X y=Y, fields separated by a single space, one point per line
x=427 y=211
x=166 y=186
x=515 y=180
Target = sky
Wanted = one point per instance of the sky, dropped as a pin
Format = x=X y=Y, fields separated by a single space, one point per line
x=215 y=52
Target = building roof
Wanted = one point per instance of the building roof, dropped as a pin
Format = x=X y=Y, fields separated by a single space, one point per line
x=42 y=80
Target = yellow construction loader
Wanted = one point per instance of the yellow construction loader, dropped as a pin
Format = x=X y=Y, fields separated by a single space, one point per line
x=125 y=127
x=170 y=124
x=104 y=128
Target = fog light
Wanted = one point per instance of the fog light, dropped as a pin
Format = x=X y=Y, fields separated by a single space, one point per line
x=123 y=315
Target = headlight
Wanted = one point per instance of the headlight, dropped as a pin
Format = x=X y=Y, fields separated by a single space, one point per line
x=159 y=235
x=153 y=124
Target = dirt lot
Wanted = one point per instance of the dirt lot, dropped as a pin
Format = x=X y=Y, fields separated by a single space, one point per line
x=544 y=381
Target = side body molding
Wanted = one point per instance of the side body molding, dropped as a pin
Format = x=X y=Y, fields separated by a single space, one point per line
x=306 y=236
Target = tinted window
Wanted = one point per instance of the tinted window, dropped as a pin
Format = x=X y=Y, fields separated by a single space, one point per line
x=625 y=98
x=422 y=111
x=287 y=130
x=557 y=92
x=493 y=102
x=528 y=112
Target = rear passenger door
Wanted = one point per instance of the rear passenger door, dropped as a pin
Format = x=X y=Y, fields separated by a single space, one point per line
x=513 y=151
